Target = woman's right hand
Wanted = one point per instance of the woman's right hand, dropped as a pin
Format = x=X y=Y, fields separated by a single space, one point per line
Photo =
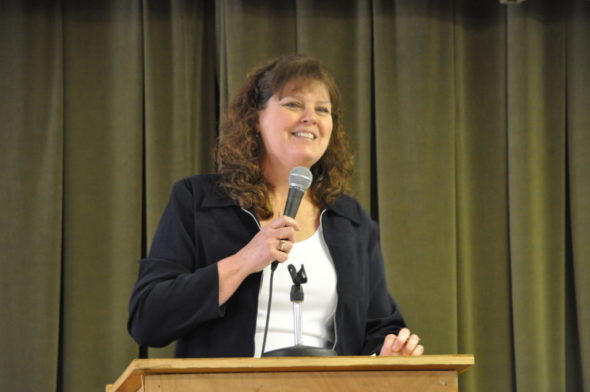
x=272 y=243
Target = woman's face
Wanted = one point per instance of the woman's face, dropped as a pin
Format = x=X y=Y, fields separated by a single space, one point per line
x=296 y=126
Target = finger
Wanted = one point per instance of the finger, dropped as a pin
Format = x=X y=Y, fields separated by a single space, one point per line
x=410 y=345
x=419 y=350
x=387 y=344
x=283 y=221
x=285 y=246
x=279 y=256
x=400 y=340
x=284 y=233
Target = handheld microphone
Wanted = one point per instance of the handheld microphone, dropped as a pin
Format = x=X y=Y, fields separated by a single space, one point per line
x=300 y=179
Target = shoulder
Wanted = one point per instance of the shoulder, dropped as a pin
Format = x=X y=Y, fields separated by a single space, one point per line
x=204 y=190
x=349 y=207
x=198 y=183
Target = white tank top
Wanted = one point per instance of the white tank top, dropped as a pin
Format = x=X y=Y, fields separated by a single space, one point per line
x=319 y=304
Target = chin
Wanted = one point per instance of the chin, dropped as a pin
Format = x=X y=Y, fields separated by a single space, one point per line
x=306 y=160
x=291 y=159
x=308 y=163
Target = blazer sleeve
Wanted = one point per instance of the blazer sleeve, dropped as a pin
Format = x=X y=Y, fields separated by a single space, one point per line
x=174 y=292
x=383 y=316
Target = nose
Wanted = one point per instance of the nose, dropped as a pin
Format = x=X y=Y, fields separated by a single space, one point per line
x=309 y=116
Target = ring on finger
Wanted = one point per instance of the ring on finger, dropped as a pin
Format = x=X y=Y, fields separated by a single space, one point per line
x=282 y=244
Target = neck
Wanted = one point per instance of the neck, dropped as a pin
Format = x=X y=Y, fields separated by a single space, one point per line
x=278 y=177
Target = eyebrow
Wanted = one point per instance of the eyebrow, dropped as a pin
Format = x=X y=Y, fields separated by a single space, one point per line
x=298 y=97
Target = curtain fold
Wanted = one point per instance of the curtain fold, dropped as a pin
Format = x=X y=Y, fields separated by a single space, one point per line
x=31 y=164
x=415 y=155
x=102 y=187
x=470 y=126
x=578 y=162
x=536 y=192
x=483 y=261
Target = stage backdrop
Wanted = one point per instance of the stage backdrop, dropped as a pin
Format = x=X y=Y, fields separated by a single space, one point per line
x=471 y=126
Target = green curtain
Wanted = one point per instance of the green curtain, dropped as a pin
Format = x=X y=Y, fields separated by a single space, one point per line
x=470 y=125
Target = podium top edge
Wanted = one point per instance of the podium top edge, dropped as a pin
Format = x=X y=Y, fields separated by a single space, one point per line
x=460 y=363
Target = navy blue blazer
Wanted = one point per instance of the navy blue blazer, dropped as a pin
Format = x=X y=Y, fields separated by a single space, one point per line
x=176 y=295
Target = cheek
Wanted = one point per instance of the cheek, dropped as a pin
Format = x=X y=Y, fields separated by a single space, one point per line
x=328 y=128
x=329 y=135
x=326 y=142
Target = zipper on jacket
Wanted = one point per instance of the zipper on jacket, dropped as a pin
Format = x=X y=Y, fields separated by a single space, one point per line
x=259 y=228
x=253 y=217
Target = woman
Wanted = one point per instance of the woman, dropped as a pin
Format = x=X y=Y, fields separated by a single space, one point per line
x=205 y=281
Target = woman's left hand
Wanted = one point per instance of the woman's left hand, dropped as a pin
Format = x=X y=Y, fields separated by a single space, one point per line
x=404 y=343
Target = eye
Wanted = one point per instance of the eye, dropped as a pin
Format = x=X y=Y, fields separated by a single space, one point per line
x=323 y=110
x=292 y=104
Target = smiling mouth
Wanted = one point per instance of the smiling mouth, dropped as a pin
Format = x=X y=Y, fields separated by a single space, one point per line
x=306 y=135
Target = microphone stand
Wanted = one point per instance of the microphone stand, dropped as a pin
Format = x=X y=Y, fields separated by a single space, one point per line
x=298 y=350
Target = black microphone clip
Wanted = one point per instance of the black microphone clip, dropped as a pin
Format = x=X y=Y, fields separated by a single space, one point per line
x=297 y=277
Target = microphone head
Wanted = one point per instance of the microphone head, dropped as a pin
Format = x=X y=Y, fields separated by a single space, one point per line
x=300 y=177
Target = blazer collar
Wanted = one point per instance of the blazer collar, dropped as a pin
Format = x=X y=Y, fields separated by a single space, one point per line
x=342 y=206
x=217 y=197
x=347 y=208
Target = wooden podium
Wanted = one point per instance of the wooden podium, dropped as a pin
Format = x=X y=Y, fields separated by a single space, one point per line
x=359 y=373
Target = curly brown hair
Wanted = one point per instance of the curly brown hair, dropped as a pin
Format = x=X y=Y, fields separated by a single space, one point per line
x=239 y=149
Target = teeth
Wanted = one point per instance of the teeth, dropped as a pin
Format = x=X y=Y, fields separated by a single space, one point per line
x=307 y=135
